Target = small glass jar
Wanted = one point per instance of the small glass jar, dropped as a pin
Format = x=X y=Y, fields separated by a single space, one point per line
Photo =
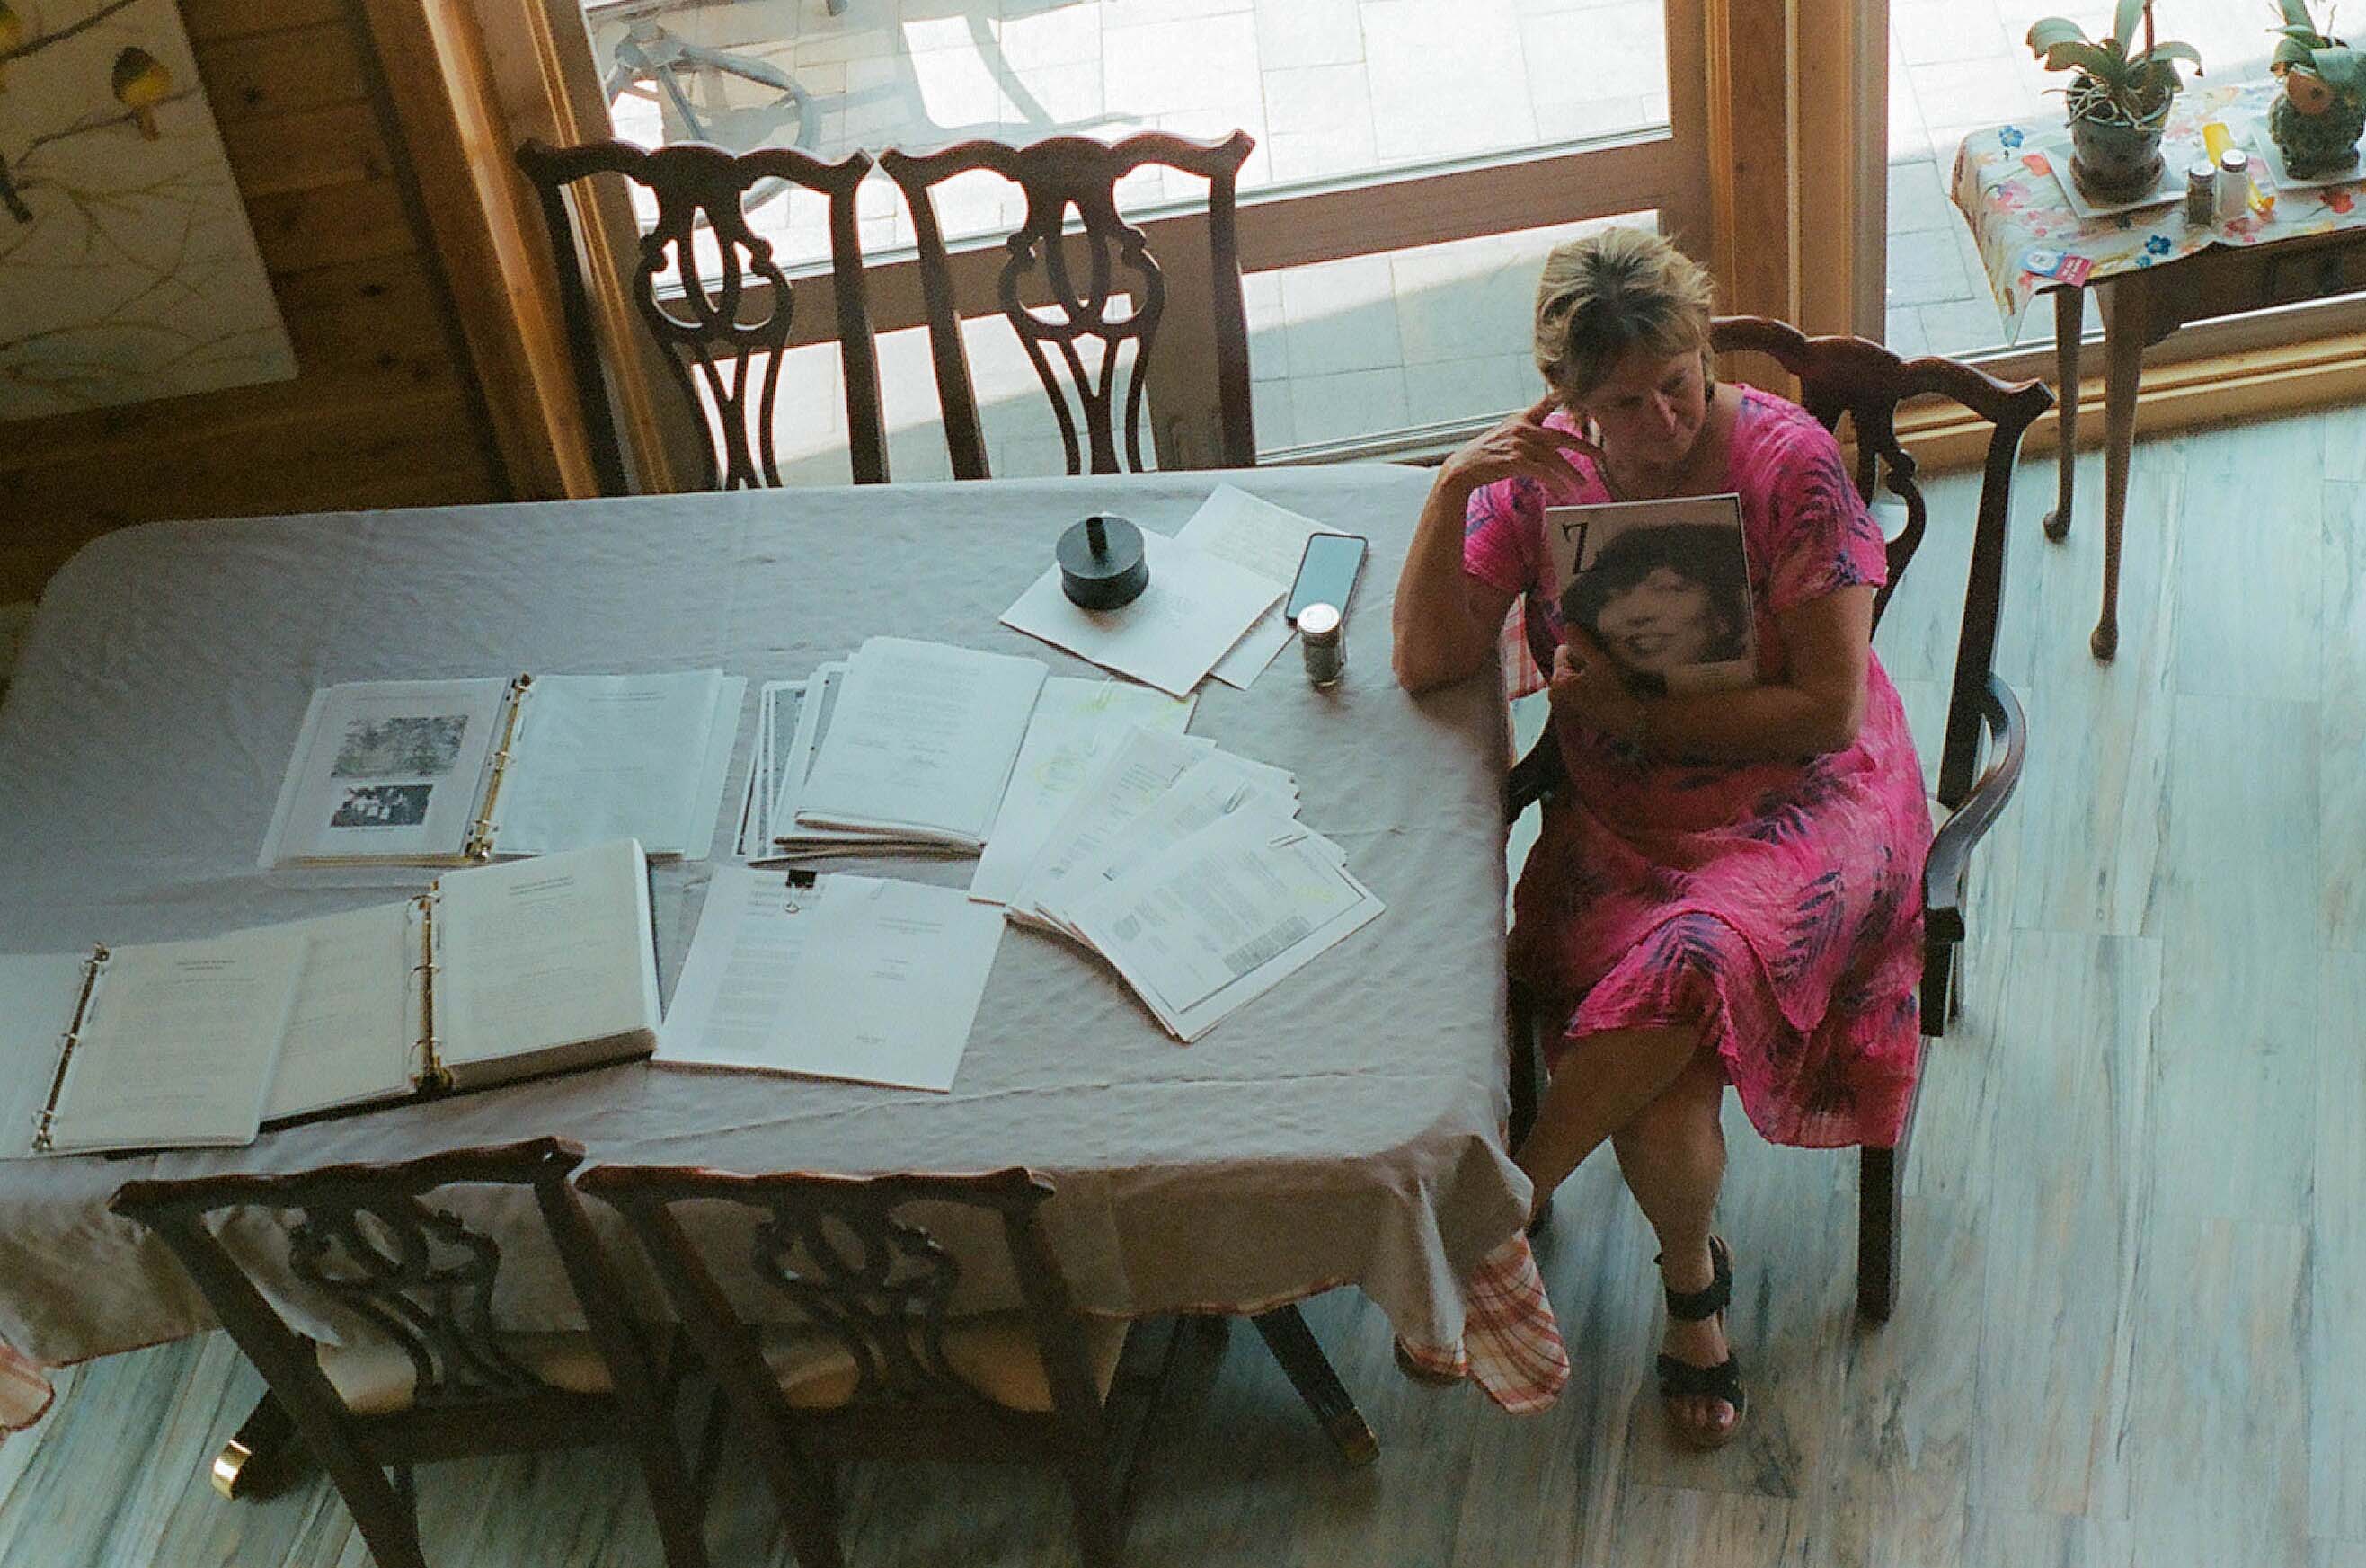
x=2201 y=193
x=1322 y=636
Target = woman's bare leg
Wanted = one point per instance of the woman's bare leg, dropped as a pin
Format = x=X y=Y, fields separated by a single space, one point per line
x=1603 y=1080
x=1673 y=1155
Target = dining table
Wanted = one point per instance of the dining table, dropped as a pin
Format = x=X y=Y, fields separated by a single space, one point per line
x=1346 y=1129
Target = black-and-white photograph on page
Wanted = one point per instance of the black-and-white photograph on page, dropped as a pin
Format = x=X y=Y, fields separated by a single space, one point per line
x=425 y=746
x=1662 y=585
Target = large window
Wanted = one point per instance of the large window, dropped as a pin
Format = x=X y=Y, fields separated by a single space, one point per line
x=1415 y=159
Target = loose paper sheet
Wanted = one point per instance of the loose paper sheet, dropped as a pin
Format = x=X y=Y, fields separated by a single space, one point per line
x=1077 y=723
x=1221 y=918
x=854 y=977
x=1233 y=525
x=353 y=1035
x=1196 y=607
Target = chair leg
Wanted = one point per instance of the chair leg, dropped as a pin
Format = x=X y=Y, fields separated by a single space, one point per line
x=1294 y=1345
x=1520 y=1059
x=1876 y=1234
x=1101 y=1533
x=259 y=1455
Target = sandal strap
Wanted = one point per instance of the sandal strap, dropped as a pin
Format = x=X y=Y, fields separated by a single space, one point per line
x=1698 y=1306
x=1682 y=1379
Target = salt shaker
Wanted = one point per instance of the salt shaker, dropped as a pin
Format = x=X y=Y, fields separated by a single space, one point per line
x=2233 y=184
x=1322 y=635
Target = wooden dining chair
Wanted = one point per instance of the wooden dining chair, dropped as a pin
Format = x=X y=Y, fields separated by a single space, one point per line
x=1986 y=735
x=420 y=1371
x=878 y=1364
x=724 y=338
x=1084 y=300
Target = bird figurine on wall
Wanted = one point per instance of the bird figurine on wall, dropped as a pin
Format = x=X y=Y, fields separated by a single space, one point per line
x=12 y=34
x=140 y=84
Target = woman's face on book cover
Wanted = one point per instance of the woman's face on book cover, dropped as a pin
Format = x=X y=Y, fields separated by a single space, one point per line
x=1662 y=622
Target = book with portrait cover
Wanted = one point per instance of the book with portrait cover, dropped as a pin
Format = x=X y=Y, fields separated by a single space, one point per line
x=1662 y=585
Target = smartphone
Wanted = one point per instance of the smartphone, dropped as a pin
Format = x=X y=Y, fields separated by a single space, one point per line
x=1326 y=572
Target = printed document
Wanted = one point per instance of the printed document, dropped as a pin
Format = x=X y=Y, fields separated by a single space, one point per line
x=921 y=742
x=602 y=757
x=388 y=770
x=850 y=977
x=1233 y=525
x=1077 y=723
x=1219 y=918
x=1126 y=784
x=544 y=963
x=178 y=1043
x=353 y=1034
x=1196 y=607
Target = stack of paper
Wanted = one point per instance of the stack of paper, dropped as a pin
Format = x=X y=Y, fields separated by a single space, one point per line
x=1186 y=867
x=912 y=746
x=833 y=976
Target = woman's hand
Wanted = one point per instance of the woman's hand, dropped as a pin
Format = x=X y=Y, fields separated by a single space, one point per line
x=1587 y=688
x=1522 y=447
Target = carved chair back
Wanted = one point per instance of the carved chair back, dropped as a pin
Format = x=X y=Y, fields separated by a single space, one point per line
x=1087 y=306
x=723 y=338
x=852 y=1261
x=392 y=1264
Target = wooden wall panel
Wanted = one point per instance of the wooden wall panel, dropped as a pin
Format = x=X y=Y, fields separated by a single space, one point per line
x=384 y=409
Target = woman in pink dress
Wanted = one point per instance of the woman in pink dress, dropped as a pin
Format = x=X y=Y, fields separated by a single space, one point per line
x=1725 y=891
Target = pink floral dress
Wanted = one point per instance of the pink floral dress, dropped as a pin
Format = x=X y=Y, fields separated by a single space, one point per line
x=1774 y=906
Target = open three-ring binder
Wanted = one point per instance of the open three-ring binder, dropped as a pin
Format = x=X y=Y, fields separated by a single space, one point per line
x=493 y=974
x=459 y=772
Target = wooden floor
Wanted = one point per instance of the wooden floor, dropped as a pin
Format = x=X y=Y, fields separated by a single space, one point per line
x=2135 y=1313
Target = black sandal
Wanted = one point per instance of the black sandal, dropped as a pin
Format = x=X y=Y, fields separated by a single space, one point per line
x=1682 y=1379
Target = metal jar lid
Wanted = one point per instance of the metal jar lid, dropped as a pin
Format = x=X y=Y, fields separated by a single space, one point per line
x=1319 y=622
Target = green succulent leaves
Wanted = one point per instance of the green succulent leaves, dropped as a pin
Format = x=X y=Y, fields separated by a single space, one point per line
x=2132 y=87
x=2301 y=47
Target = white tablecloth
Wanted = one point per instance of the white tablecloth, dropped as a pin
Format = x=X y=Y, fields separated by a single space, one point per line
x=1343 y=1129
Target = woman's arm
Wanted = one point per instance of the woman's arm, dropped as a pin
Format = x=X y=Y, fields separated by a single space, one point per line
x=1445 y=619
x=1814 y=708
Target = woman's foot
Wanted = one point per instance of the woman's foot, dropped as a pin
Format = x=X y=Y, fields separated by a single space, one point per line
x=1700 y=1380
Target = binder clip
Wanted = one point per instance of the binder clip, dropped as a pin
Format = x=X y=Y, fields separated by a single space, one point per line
x=1101 y=563
x=797 y=881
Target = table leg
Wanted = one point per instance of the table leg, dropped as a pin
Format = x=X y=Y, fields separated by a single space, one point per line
x=2125 y=333
x=1294 y=1345
x=2069 y=327
x=256 y=1457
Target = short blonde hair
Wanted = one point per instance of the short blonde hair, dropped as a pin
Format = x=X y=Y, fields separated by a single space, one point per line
x=1608 y=294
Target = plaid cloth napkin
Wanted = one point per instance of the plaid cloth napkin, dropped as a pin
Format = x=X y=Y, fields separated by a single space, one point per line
x=1510 y=1344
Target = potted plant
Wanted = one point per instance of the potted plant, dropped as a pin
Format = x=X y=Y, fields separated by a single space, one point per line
x=2319 y=116
x=2119 y=101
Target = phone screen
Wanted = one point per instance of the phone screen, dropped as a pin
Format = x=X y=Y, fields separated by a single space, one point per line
x=1326 y=572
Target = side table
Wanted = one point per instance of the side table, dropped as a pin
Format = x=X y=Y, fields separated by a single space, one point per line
x=2143 y=308
x=2153 y=270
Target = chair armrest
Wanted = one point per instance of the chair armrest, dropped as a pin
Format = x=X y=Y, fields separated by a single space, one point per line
x=1535 y=778
x=1942 y=873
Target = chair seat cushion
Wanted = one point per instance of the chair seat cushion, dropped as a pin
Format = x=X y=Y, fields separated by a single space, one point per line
x=376 y=1377
x=993 y=1352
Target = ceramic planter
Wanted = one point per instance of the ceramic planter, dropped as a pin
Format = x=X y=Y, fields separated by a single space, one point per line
x=2315 y=128
x=2117 y=162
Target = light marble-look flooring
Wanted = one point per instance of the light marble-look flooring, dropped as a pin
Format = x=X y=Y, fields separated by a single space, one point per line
x=2134 y=1300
